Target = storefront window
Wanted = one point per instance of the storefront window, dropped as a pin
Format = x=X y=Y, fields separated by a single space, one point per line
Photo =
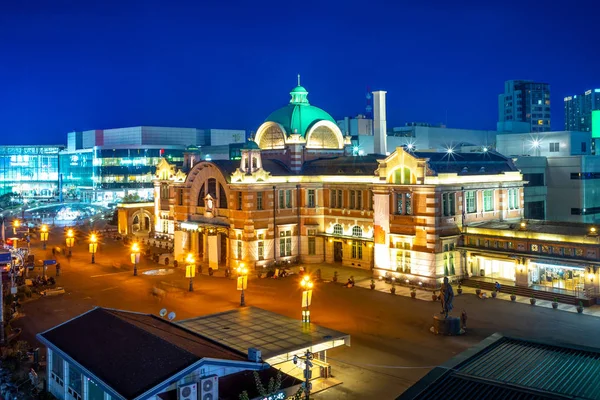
x=75 y=383
x=557 y=276
x=496 y=268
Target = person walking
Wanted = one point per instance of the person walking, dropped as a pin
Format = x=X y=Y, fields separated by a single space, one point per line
x=497 y=286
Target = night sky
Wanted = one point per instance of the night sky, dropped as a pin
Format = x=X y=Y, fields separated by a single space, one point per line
x=72 y=65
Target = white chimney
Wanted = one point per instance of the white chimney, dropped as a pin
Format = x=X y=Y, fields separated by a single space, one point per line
x=379 y=122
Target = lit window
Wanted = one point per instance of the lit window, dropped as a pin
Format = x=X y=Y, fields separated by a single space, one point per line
x=338 y=230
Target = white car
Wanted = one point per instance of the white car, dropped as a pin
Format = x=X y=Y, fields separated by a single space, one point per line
x=53 y=292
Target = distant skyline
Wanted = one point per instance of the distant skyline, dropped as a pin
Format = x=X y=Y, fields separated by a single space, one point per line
x=69 y=65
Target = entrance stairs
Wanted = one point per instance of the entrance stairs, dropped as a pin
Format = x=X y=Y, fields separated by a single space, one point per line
x=520 y=291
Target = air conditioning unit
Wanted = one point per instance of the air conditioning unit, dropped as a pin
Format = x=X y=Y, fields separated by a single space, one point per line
x=188 y=392
x=254 y=354
x=209 y=388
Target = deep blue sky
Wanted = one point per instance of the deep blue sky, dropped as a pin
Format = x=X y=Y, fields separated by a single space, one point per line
x=72 y=65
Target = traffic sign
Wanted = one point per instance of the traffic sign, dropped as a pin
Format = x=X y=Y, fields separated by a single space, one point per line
x=5 y=257
x=49 y=262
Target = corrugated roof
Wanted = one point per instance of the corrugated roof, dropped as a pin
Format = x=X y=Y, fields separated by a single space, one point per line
x=484 y=163
x=508 y=368
x=345 y=165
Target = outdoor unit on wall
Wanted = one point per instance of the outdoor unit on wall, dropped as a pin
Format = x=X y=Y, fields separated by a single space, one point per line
x=209 y=388
x=188 y=392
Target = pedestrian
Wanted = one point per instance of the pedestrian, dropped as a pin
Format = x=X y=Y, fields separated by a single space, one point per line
x=463 y=319
x=54 y=251
x=497 y=286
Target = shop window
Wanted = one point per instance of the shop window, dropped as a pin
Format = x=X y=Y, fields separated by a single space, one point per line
x=338 y=230
x=471 y=200
x=285 y=243
x=311 y=198
x=488 y=200
x=259 y=201
x=403 y=261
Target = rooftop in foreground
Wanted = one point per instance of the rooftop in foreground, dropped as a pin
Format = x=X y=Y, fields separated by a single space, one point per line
x=273 y=334
x=507 y=368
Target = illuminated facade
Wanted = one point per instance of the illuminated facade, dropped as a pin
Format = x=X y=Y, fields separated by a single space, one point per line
x=298 y=194
x=31 y=171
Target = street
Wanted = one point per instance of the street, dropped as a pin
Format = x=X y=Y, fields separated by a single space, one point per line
x=391 y=343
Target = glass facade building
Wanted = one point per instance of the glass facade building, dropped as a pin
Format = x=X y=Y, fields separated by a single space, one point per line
x=31 y=171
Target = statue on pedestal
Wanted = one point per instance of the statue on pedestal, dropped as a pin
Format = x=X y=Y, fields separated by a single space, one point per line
x=446 y=297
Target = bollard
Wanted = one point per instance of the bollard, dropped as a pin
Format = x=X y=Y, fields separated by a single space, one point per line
x=57 y=269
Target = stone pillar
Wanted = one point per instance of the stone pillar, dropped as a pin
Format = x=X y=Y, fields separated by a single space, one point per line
x=381 y=225
x=213 y=251
x=227 y=253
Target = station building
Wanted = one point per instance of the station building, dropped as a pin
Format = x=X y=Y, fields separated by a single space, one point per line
x=299 y=195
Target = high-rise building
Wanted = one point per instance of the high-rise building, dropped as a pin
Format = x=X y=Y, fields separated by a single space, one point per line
x=578 y=110
x=524 y=107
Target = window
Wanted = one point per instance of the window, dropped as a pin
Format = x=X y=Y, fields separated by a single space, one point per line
x=94 y=391
x=554 y=147
x=212 y=188
x=583 y=147
x=57 y=367
x=239 y=247
x=359 y=205
x=222 y=197
x=471 y=200
x=239 y=200
x=403 y=204
x=312 y=247
x=311 y=198
x=261 y=247
x=285 y=243
x=75 y=383
x=164 y=191
x=338 y=230
x=357 y=231
x=534 y=179
x=180 y=197
x=352 y=200
x=201 y=197
x=513 y=199
x=488 y=200
x=449 y=204
x=357 y=249
x=333 y=198
x=340 y=202
x=281 y=199
x=259 y=201
x=288 y=199
x=403 y=259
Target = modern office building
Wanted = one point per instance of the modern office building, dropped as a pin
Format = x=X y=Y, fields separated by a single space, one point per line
x=357 y=126
x=524 y=107
x=561 y=172
x=106 y=165
x=30 y=171
x=578 y=110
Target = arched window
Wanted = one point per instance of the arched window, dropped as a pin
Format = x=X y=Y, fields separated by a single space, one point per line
x=212 y=187
x=272 y=138
x=357 y=231
x=222 y=197
x=254 y=163
x=338 y=230
x=201 y=197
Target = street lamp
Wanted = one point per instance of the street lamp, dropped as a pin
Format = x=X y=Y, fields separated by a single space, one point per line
x=70 y=241
x=242 y=282
x=190 y=269
x=16 y=224
x=93 y=246
x=44 y=235
x=307 y=286
x=135 y=257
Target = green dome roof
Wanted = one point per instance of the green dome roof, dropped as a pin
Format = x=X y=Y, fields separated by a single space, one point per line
x=251 y=145
x=299 y=115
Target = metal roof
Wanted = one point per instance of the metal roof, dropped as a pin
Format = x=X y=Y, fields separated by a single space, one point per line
x=483 y=163
x=271 y=333
x=502 y=367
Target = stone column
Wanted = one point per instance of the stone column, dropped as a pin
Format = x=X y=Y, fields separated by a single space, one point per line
x=381 y=225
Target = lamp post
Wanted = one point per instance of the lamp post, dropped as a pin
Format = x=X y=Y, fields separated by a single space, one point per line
x=307 y=286
x=135 y=257
x=93 y=247
x=44 y=235
x=16 y=224
x=242 y=282
x=70 y=241
x=190 y=269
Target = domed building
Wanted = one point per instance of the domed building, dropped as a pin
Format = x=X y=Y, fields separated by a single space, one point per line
x=299 y=132
x=298 y=195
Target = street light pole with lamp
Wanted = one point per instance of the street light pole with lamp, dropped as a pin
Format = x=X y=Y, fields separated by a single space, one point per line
x=70 y=241
x=242 y=282
x=16 y=224
x=44 y=236
x=135 y=257
x=190 y=270
x=307 y=286
x=93 y=246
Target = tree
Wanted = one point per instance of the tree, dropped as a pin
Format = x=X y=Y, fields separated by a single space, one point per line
x=273 y=387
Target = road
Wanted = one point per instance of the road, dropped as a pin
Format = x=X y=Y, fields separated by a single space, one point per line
x=391 y=343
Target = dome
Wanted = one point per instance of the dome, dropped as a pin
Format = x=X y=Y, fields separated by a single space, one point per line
x=299 y=115
x=251 y=145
